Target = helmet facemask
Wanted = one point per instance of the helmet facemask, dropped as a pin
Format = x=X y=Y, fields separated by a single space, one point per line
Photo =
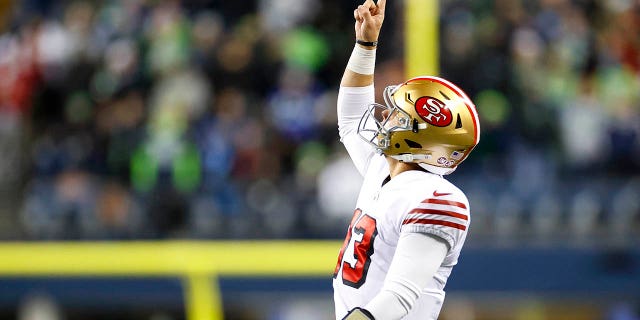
x=379 y=121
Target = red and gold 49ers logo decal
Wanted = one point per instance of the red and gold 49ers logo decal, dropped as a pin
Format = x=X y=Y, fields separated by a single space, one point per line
x=433 y=111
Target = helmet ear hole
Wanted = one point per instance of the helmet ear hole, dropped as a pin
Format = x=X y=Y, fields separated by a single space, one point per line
x=413 y=144
x=458 y=122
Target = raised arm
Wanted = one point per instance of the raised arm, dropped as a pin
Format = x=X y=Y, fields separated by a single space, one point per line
x=368 y=22
x=356 y=87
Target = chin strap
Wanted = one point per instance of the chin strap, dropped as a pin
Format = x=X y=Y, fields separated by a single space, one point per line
x=408 y=157
x=358 y=314
x=437 y=170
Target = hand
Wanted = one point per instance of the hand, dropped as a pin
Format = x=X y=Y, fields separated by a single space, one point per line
x=358 y=314
x=369 y=17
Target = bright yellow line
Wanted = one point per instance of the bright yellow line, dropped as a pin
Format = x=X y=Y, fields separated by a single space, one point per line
x=269 y=258
x=421 y=38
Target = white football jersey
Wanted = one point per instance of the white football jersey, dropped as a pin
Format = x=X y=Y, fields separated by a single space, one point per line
x=413 y=201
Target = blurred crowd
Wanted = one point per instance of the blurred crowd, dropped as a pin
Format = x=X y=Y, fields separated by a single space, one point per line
x=139 y=119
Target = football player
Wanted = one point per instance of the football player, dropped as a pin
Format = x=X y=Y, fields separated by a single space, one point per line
x=409 y=223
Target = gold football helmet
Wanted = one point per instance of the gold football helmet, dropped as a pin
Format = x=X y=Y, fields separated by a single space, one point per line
x=426 y=120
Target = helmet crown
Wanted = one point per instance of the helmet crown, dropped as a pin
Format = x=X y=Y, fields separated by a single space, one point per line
x=426 y=120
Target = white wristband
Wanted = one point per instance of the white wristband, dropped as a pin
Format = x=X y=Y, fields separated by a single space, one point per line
x=362 y=61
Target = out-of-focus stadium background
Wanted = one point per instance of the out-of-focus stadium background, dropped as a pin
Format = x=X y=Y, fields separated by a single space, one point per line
x=215 y=120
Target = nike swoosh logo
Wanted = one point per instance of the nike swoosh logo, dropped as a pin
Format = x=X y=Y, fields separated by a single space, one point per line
x=437 y=194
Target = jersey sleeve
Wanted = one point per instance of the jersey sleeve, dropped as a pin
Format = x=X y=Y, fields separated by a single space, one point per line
x=352 y=102
x=416 y=260
x=445 y=217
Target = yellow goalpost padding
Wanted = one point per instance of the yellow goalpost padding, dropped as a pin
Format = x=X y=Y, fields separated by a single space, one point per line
x=198 y=263
x=421 y=37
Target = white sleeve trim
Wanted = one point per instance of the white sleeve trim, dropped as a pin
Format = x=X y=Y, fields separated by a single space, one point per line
x=417 y=259
x=425 y=229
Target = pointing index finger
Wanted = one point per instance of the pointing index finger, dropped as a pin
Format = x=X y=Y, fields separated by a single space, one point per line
x=368 y=4
x=381 y=4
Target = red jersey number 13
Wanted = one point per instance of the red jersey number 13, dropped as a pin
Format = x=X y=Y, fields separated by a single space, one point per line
x=355 y=255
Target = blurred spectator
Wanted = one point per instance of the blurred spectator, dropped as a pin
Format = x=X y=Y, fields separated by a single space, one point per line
x=583 y=126
x=117 y=213
x=338 y=184
x=39 y=307
x=213 y=119
x=293 y=106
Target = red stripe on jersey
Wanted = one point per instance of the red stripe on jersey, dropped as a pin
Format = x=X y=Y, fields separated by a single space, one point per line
x=446 y=202
x=440 y=212
x=432 y=221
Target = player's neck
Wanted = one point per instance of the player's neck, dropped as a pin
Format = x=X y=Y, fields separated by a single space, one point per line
x=396 y=167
